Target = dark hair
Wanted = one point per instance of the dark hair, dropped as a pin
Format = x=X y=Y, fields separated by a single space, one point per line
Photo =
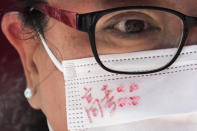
x=32 y=18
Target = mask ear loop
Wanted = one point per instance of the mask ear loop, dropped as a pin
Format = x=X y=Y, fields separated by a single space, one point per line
x=49 y=126
x=49 y=52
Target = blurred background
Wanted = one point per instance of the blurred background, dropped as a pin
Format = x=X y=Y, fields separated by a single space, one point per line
x=15 y=112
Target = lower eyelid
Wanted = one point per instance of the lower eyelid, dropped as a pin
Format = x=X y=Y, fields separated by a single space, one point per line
x=117 y=33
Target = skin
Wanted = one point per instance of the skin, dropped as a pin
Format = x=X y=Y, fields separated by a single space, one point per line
x=42 y=77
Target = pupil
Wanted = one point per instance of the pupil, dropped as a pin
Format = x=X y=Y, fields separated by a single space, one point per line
x=134 y=26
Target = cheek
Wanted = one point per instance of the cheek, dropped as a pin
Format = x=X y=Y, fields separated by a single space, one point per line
x=76 y=47
x=51 y=90
x=67 y=43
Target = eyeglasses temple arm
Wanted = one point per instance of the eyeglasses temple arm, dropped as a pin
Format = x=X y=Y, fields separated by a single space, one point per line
x=67 y=17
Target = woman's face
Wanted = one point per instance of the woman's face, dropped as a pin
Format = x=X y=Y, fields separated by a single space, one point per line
x=44 y=78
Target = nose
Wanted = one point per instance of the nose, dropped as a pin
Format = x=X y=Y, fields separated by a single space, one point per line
x=192 y=36
x=191 y=24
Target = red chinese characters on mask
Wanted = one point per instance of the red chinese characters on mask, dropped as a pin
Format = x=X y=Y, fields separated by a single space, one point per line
x=110 y=100
x=131 y=100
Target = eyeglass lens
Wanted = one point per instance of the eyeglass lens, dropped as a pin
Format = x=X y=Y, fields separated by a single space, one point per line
x=139 y=32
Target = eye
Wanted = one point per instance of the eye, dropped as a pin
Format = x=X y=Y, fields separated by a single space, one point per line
x=131 y=26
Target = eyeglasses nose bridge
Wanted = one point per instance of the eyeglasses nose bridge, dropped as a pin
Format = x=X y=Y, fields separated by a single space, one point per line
x=191 y=21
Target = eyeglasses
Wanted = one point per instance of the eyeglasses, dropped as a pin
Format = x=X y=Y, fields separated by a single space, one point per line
x=129 y=30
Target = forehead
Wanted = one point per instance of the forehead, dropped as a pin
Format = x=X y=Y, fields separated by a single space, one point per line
x=185 y=6
x=109 y=2
x=124 y=1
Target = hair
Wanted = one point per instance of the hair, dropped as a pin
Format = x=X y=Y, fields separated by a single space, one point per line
x=32 y=18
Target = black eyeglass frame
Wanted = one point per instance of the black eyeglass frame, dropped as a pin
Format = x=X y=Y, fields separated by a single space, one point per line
x=87 y=23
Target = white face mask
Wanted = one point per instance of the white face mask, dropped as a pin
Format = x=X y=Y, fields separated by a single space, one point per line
x=97 y=98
